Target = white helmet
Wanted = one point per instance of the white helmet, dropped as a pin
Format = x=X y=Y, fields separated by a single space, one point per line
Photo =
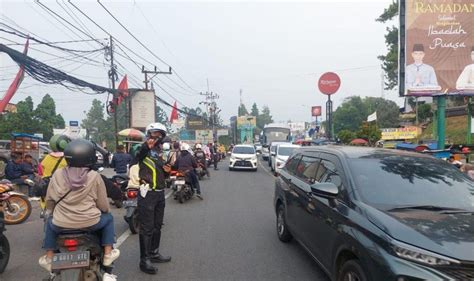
x=184 y=146
x=153 y=127
x=198 y=146
x=166 y=146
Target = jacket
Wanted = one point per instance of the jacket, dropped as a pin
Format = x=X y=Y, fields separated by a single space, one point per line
x=80 y=208
x=185 y=162
x=13 y=170
x=120 y=162
x=151 y=167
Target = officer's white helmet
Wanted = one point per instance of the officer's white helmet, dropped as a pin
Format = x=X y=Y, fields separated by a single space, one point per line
x=153 y=127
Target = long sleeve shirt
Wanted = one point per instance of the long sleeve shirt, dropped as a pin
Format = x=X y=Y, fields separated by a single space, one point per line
x=466 y=79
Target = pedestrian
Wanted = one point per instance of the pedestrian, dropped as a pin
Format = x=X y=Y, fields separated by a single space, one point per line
x=121 y=161
x=151 y=198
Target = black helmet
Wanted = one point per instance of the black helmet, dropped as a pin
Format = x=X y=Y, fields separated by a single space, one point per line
x=80 y=153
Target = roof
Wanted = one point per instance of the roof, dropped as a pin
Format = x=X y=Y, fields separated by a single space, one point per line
x=360 y=152
x=287 y=144
x=244 y=145
x=22 y=135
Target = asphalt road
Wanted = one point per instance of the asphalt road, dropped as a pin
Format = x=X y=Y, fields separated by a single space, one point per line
x=230 y=235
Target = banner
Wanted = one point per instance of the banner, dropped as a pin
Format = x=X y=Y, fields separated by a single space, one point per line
x=204 y=136
x=142 y=109
x=406 y=133
x=222 y=132
x=439 y=47
x=246 y=122
x=372 y=117
x=186 y=135
x=195 y=123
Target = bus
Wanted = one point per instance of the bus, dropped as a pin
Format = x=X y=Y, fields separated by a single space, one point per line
x=274 y=133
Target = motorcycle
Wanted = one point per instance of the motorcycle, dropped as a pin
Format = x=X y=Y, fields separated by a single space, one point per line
x=79 y=257
x=131 y=211
x=16 y=206
x=4 y=245
x=120 y=182
x=200 y=171
x=182 y=190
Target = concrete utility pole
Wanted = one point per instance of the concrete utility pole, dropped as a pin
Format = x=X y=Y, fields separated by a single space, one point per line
x=212 y=109
x=154 y=72
x=113 y=77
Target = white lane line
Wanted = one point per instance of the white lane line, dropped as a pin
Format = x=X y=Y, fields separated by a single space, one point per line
x=127 y=232
x=261 y=165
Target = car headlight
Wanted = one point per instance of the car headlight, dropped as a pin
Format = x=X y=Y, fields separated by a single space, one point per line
x=412 y=253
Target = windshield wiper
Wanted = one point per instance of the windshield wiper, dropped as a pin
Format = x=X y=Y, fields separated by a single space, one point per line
x=428 y=208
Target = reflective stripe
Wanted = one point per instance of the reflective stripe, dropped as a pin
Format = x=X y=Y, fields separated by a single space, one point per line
x=150 y=164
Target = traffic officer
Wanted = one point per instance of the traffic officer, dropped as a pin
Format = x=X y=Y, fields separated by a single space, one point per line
x=151 y=201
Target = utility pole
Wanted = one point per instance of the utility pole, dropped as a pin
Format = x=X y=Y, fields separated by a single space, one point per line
x=113 y=77
x=154 y=72
x=212 y=109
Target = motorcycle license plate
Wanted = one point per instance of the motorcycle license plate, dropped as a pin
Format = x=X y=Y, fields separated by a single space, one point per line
x=130 y=203
x=172 y=177
x=76 y=259
x=180 y=182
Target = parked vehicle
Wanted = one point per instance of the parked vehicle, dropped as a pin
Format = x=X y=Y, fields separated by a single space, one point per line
x=243 y=157
x=282 y=152
x=273 y=148
x=79 y=257
x=16 y=206
x=273 y=133
x=4 y=245
x=131 y=211
x=377 y=214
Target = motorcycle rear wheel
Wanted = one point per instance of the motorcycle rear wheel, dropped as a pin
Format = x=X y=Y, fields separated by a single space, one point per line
x=17 y=209
x=133 y=223
x=4 y=252
x=181 y=197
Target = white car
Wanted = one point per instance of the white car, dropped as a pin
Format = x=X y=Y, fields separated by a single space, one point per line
x=271 y=158
x=243 y=157
x=283 y=151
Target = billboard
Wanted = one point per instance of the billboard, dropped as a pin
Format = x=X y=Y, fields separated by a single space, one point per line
x=438 y=47
x=316 y=111
x=246 y=122
x=406 y=133
x=222 y=132
x=204 y=136
x=195 y=123
x=143 y=109
x=186 y=135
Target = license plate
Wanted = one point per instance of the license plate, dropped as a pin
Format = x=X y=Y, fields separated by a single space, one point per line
x=130 y=203
x=172 y=177
x=179 y=182
x=76 y=259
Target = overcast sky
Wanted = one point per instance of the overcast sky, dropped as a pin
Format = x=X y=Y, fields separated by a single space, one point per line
x=273 y=51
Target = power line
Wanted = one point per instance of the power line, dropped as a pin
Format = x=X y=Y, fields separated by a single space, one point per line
x=56 y=42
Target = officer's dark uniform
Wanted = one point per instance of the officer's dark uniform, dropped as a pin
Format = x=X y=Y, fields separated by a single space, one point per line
x=151 y=208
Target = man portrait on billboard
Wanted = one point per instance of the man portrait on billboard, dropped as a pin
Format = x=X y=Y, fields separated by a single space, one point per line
x=466 y=79
x=420 y=76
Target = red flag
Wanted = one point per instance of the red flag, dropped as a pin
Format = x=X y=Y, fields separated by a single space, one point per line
x=123 y=90
x=174 y=113
x=16 y=82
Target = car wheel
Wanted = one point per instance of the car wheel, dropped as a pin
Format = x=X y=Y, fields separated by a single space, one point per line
x=282 y=229
x=351 y=270
x=230 y=169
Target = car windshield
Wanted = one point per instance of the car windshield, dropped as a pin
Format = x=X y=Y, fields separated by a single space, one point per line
x=285 y=151
x=388 y=182
x=243 y=150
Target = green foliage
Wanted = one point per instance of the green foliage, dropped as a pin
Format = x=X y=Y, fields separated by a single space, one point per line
x=390 y=60
x=369 y=132
x=264 y=118
x=254 y=111
x=243 y=110
x=29 y=120
x=96 y=126
x=424 y=112
x=354 y=111
x=346 y=136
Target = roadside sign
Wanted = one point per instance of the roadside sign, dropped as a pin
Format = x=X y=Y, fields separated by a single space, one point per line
x=74 y=123
x=329 y=83
x=316 y=111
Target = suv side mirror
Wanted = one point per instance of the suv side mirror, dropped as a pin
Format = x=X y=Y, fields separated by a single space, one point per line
x=325 y=189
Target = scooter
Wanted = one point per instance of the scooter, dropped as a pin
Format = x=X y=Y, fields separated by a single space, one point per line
x=131 y=211
x=201 y=171
x=182 y=190
x=16 y=206
x=4 y=245
x=79 y=257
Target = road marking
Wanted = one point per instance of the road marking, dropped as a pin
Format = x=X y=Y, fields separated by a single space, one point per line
x=122 y=238
x=261 y=165
x=127 y=232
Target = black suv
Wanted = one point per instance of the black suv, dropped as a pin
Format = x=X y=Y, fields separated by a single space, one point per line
x=376 y=214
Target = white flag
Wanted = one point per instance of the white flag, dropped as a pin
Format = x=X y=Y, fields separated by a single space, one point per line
x=372 y=117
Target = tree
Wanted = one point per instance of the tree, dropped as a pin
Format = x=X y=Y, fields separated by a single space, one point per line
x=243 y=110
x=254 y=111
x=46 y=117
x=346 y=136
x=390 y=60
x=22 y=121
x=388 y=111
x=424 y=112
x=369 y=132
x=96 y=127
x=264 y=118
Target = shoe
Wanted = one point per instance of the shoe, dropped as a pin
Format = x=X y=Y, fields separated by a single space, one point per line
x=110 y=258
x=147 y=267
x=45 y=263
x=199 y=196
x=156 y=257
x=109 y=277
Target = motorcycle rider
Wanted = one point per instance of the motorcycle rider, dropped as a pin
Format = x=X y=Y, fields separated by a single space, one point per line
x=151 y=198
x=121 y=160
x=77 y=199
x=201 y=158
x=214 y=157
x=166 y=150
x=186 y=163
x=173 y=155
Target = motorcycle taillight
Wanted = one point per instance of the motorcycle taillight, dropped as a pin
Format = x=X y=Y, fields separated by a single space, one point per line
x=71 y=244
x=132 y=194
